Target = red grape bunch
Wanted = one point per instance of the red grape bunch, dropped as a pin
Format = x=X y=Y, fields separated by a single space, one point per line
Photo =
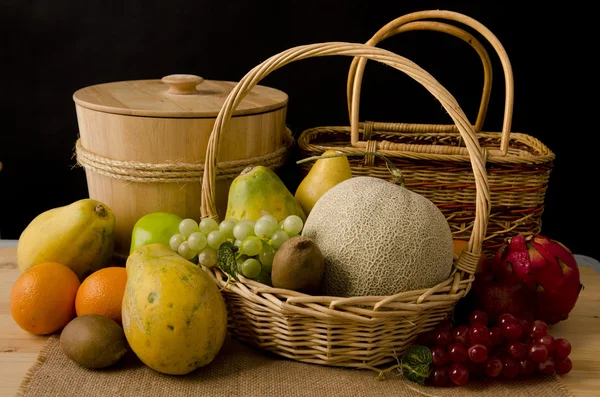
x=510 y=347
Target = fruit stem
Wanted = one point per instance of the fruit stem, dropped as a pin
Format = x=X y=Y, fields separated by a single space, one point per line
x=398 y=177
x=100 y=211
x=226 y=284
x=246 y=170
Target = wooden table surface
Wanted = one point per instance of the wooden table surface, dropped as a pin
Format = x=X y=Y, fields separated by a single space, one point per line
x=18 y=349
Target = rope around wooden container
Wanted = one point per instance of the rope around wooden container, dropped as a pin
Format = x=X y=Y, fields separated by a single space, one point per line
x=176 y=172
x=355 y=331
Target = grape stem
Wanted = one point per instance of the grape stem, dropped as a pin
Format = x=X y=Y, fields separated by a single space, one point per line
x=381 y=372
x=381 y=376
x=226 y=284
x=395 y=171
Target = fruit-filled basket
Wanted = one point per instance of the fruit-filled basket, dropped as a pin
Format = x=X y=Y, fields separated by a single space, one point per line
x=359 y=330
x=433 y=157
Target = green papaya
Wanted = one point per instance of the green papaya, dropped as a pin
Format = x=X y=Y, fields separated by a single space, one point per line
x=258 y=191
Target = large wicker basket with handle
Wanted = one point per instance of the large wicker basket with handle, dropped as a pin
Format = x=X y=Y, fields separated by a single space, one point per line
x=433 y=157
x=356 y=331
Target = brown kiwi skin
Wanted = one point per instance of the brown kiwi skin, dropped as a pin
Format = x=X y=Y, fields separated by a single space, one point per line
x=93 y=341
x=298 y=265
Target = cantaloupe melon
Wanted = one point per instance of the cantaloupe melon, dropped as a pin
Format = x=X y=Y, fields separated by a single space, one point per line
x=379 y=238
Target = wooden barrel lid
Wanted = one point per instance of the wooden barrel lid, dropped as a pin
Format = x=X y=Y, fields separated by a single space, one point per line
x=180 y=95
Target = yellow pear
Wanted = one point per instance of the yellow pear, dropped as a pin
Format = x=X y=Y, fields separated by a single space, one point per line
x=324 y=174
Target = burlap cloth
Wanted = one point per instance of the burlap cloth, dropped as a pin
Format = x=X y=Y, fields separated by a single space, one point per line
x=240 y=370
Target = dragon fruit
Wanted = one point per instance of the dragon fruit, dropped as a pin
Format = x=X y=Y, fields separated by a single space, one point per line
x=545 y=266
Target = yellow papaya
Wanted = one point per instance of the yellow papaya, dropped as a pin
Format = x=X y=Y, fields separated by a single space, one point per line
x=78 y=235
x=174 y=316
x=257 y=191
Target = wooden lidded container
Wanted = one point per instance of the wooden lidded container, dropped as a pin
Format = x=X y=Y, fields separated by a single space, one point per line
x=143 y=144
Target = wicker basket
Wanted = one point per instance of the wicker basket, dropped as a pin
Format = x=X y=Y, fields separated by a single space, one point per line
x=356 y=331
x=433 y=158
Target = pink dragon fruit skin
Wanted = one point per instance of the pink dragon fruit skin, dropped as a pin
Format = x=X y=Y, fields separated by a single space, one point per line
x=543 y=265
x=512 y=262
x=554 y=305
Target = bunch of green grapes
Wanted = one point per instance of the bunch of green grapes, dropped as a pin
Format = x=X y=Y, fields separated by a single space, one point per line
x=202 y=240
x=257 y=242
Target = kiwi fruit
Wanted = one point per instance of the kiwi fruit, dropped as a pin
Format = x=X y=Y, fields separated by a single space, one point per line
x=93 y=341
x=298 y=265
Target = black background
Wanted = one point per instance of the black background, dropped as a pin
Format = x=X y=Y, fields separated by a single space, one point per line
x=49 y=49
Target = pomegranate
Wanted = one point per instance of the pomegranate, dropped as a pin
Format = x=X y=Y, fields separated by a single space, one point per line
x=545 y=266
x=496 y=296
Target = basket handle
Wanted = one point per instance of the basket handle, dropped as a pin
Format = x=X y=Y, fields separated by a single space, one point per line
x=389 y=30
x=357 y=73
x=254 y=76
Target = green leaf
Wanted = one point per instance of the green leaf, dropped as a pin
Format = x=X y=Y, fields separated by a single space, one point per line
x=226 y=259
x=417 y=354
x=416 y=363
x=416 y=373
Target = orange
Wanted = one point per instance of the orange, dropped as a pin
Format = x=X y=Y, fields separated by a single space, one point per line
x=42 y=300
x=102 y=293
x=461 y=245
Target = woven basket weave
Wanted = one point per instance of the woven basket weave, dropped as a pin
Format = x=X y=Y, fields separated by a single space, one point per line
x=433 y=158
x=356 y=331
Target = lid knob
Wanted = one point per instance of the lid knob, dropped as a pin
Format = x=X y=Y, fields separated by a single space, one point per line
x=182 y=84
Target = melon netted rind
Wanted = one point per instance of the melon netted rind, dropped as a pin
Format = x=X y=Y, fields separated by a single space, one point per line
x=379 y=239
